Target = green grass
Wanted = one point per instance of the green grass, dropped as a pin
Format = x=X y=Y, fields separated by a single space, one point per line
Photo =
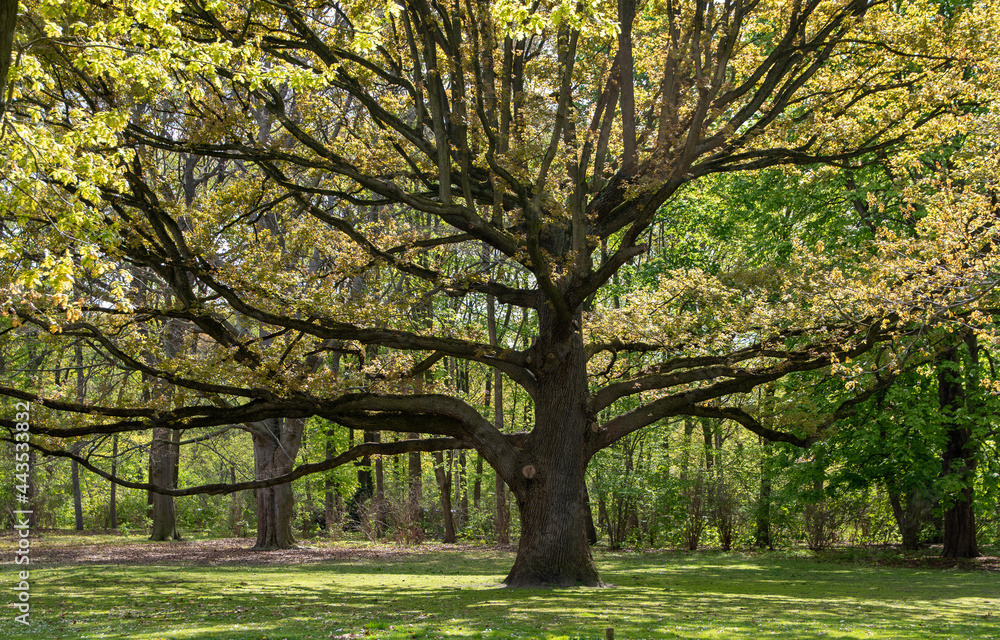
x=457 y=594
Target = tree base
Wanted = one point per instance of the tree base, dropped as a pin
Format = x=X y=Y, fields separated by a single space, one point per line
x=274 y=547
x=543 y=575
x=172 y=538
x=536 y=584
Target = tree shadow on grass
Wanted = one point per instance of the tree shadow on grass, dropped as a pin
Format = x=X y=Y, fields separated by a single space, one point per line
x=459 y=594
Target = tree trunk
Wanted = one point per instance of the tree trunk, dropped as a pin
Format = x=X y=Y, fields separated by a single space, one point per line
x=77 y=496
x=762 y=535
x=35 y=516
x=415 y=489
x=8 y=24
x=910 y=511
x=591 y=529
x=553 y=549
x=235 y=508
x=959 y=459
x=477 y=485
x=461 y=490
x=164 y=452
x=502 y=513
x=329 y=491
x=444 y=489
x=161 y=473
x=113 y=506
x=379 y=503
x=501 y=519
x=74 y=467
x=275 y=445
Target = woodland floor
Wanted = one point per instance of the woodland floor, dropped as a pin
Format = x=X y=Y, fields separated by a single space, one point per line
x=107 y=586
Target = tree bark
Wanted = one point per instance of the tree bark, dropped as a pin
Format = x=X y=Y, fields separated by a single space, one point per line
x=35 y=516
x=501 y=519
x=81 y=395
x=461 y=490
x=550 y=489
x=379 y=502
x=275 y=444
x=477 y=485
x=113 y=506
x=164 y=453
x=444 y=489
x=329 y=490
x=591 y=529
x=762 y=535
x=161 y=473
x=8 y=25
x=77 y=497
x=958 y=458
x=911 y=510
x=415 y=489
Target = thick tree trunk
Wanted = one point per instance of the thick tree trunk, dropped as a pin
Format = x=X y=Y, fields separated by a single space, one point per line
x=959 y=532
x=8 y=24
x=275 y=445
x=958 y=459
x=162 y=461
x=551 y=493
x=911 y=511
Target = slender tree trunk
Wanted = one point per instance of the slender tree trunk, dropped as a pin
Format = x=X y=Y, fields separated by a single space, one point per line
x=415 y=489
x=329 y=502
x=502 y=514
x=591 y=529
x=81 y=394
x=380 y=504
x=113 y=506
x=462 y=489
x=762 y=535
x=477 y=485
x=275 y=445
x=444 y=489
x=35 y=516
x=235 y=507
x=550 y=488
x=77 y=496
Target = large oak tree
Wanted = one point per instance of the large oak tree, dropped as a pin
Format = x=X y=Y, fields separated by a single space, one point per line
x=365 y=160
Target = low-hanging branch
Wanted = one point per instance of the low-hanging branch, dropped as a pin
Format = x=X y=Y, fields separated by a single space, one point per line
x=358 y=451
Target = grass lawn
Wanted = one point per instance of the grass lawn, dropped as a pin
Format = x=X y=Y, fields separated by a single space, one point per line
x=388 y=592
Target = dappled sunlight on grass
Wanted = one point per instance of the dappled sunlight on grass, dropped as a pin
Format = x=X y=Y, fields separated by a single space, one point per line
x=458 y=594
